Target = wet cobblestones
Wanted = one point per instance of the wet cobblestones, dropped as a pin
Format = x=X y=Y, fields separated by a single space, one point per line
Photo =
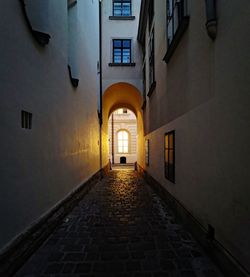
x=121 y=228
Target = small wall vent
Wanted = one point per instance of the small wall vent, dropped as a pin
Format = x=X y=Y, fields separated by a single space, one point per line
x=26 y=120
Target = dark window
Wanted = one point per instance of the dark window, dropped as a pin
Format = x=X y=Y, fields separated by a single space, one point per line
x=26 y=120
x=151 y=12
x=151 y=60
x=121 y=51
x=175 y=16
x=170 y=156
x=121 y=7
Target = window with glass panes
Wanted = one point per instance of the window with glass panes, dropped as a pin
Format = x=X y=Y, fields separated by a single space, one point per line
x=169 y=156
x=175 y=16
x=121 y=7
x=121 y=51
x=123 y=141
x=151 y=59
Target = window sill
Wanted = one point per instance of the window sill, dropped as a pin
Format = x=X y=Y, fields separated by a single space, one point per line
x=152 y=88
x=121 y=64
x=121 y=17
x=176 y=39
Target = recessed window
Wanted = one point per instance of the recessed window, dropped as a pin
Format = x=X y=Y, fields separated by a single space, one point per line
x=122 y=51
x=177 y=23
x=151 y=12
x=122 y=111
x=151 y=64
x=121 y=7
x=175 y=15
x=123 y=141
x=170 y=156
x=26 y=120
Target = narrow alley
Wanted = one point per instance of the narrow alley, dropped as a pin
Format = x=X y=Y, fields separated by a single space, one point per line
x=120 y=228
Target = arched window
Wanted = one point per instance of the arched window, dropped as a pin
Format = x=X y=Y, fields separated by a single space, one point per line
x=122 y=141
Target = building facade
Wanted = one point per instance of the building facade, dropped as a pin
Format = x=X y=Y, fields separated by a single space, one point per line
x=196 y=112
x=181 y=67
x=122 y=137
x=121 y=65
x=49 y=101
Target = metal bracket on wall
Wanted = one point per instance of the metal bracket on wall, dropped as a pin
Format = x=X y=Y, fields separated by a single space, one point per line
x=41 y=37
x=74 y=81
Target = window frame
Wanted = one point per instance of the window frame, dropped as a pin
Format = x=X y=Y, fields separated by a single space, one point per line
x=151 y=63
x=128 y=140
x=168 y=149
x=121 y=48
x=151 y=13
x=122 y=2
x=177 y=22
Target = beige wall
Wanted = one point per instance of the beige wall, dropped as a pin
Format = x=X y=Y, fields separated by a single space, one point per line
x=203 y=94
x=121 y=85
x=41 y=166
x=120 y=29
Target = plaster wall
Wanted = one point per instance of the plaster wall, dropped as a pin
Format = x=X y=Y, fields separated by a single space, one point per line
x=41 y=166
x=203 y=94
x=120 y=29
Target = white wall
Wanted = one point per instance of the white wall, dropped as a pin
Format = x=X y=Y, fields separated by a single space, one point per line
x=41 y=166
x=203 y=94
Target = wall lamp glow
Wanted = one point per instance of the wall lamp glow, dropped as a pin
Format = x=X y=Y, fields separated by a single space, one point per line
x=211 y=23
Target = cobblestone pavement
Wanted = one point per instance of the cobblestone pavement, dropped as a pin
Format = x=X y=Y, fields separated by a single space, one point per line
x=121 y=228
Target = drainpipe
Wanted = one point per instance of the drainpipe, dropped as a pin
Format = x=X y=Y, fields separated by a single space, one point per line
x=100 y=79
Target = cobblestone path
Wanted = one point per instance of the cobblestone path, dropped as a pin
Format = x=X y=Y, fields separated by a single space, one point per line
x=121 y=228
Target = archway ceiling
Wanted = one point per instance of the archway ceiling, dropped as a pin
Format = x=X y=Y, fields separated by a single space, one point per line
x=121 y=95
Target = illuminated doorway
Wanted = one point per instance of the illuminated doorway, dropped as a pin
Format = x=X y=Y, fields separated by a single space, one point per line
x=122 y=137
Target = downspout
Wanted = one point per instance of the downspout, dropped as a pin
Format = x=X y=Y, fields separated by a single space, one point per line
x=100 y=93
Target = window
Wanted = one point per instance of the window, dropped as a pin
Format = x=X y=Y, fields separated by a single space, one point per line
x=122 y=111
x=175 y=15
x=121 y=7
x=123 y=141
x=177 y=22
x=26 y=120
x=121 y=51
x=170 y=156
x=151 y=13
x=151 y=64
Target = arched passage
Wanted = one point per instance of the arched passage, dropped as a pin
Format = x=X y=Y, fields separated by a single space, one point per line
x=122 y=95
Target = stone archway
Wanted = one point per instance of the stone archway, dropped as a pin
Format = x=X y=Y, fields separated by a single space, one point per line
x=122 y=95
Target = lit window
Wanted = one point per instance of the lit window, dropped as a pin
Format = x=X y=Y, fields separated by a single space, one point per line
x=170 y=156
x=121 y=7
x=123 y=141
x=121 y=51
